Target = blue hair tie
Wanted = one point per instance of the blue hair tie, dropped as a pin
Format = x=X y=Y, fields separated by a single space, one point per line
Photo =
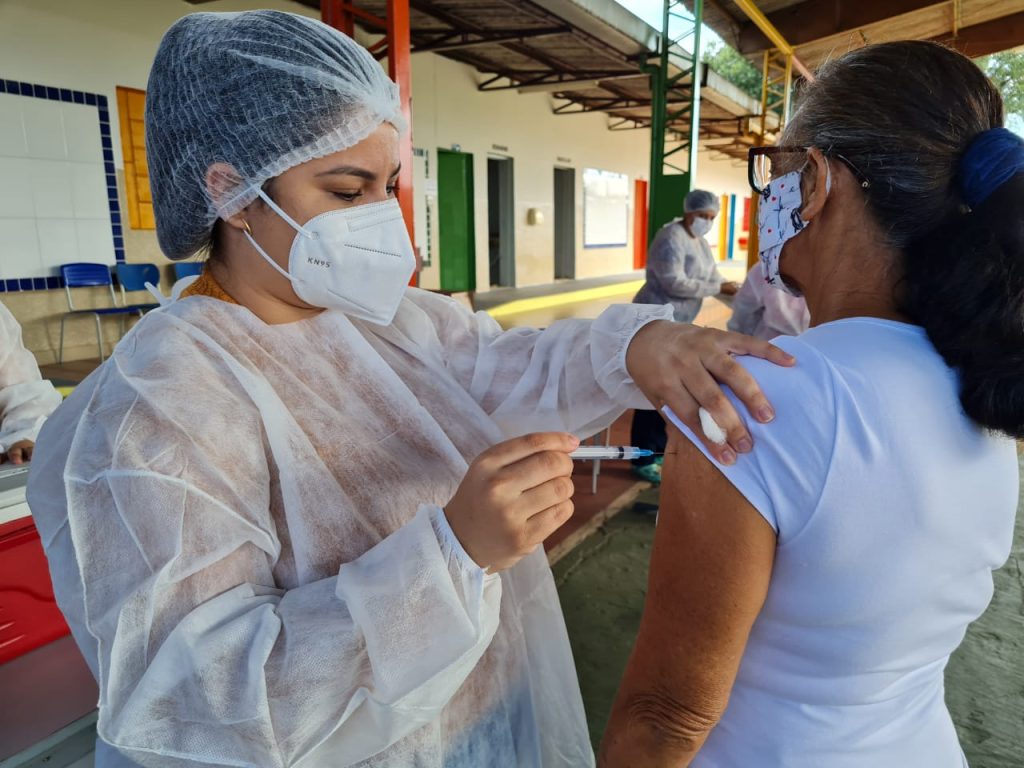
x=992 y=159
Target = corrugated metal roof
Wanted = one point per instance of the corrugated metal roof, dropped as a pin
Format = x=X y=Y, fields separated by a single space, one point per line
x=586 y=53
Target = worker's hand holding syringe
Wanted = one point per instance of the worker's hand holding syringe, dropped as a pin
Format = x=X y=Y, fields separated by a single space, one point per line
x=514 y=496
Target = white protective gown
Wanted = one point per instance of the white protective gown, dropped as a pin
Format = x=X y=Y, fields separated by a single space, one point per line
x=243 y=527
x=765 y=312
x=681 y=271
x=26 y=399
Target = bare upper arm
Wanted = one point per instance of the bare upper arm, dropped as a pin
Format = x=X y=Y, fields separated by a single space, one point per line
x=709 y=575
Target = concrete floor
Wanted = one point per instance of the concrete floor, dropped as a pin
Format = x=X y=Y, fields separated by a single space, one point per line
x=603 y=583
x=564 y=306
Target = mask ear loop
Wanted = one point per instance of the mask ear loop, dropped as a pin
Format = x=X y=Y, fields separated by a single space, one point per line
x=280 y=212
x=247 y=231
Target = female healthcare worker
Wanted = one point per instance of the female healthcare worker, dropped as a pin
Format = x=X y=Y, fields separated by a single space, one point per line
x=682 y=272
x=26 y=399
x=276 y=530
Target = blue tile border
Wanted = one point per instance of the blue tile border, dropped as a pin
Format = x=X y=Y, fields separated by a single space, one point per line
x=68 y=96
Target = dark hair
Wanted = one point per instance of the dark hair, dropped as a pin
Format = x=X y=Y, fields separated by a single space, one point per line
x=904 y=114
x=212 y=247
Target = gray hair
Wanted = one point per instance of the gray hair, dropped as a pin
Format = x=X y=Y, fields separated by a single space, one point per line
x=904 y=114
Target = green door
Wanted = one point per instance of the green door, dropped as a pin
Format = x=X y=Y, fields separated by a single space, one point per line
x=456 y=230
x=669 y=204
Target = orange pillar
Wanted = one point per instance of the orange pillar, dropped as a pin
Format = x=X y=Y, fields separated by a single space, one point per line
x=640 y=234
x=752 y=246
x=338 y=14
x=400 y=69
x=342 y=16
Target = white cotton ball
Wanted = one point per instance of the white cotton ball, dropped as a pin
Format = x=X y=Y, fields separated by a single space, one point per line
x=712 y=431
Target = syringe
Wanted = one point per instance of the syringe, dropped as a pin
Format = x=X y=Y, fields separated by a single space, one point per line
x=602 y=452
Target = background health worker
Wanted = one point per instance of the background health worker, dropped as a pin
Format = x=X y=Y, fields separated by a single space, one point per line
x=681 y=272
x=276 y=516
x=760 y=310
x=26 y=399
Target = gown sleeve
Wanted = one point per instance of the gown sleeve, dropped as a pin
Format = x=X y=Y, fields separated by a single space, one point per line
x=25 y=398
x=569 y=376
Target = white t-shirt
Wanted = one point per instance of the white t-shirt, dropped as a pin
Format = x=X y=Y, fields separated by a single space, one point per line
x=892 y=510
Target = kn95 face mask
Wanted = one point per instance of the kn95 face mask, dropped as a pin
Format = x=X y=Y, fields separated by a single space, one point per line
x=356 y=260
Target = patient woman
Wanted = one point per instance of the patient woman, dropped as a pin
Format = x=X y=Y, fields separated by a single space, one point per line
x=803 y=603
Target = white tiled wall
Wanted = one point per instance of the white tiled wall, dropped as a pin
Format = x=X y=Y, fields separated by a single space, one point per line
x=53 y=192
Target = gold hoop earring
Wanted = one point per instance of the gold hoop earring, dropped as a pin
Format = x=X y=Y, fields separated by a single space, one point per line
x=248 y=229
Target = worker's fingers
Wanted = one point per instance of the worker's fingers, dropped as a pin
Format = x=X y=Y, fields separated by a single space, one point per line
x=729 y=372
x=685 y=408
x=543 y=524
x=709 y=395
x=518 y=448
x=741 y=344
x=553 y=492
x=536 y=470
x=20 y=452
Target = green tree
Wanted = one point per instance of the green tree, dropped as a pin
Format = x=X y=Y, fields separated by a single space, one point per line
x=1007 y=71
x=734 y=68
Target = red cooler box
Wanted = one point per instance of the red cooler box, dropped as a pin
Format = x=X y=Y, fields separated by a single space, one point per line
x=45 y=681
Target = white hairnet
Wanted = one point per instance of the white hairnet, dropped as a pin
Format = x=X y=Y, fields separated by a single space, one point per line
x=262 y=91
x=701 y=200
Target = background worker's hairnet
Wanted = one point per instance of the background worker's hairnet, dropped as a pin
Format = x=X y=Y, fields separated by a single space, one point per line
x=701 y=200
x=261 y=91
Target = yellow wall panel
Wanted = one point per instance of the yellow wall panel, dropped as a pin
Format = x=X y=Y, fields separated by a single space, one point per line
x=131 y=107
x=138 y=129
x=148 y=221
x=136 y=102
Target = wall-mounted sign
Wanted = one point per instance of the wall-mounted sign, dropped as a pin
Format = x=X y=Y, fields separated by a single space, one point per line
x=566 y=160
x=605 y=208
x=499 y=147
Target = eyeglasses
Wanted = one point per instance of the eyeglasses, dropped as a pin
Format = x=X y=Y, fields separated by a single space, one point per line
x=767 y=163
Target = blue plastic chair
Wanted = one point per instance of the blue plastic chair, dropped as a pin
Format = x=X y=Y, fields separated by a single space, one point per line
x=86 y=275
x=187 y=269
x=133 y=277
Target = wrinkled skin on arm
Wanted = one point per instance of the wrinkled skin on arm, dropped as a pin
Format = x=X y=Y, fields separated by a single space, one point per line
x=710 y=570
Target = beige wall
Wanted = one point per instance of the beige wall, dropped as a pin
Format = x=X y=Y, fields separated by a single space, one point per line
x=449 y=110
x=94 y=46
x=100 y=44
x=724 y=176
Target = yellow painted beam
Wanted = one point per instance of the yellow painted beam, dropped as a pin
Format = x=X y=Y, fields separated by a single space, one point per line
x=755 y=15
x=776 y=38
